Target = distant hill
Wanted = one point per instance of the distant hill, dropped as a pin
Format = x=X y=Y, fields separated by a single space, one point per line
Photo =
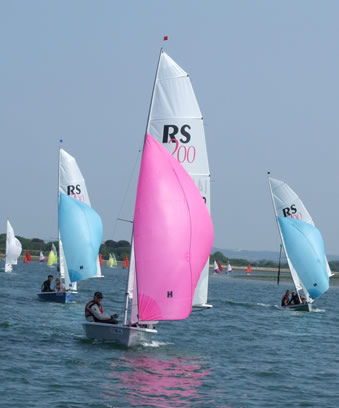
x=256 y=256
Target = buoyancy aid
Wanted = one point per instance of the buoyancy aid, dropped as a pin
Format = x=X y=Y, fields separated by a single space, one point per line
x=284 y=301
x=88 y=311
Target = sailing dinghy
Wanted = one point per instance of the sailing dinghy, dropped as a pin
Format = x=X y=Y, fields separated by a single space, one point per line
x=112 y=262
x=168 y=209
x=249 y=269
x=302 y=243
x=229 y=268
x=28 y=258
x=76 y=247
x=13 y=248
x=215 y=267
x=126 y=263
x=42 y=257
x=52 y=257
x=176 y=122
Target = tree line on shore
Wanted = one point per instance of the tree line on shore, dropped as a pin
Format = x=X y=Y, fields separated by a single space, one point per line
x=122 y=248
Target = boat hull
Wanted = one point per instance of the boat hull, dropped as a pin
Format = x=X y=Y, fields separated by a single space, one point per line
x=202 y=306
x=58 y=297
x=120 y=334
x=301 y=307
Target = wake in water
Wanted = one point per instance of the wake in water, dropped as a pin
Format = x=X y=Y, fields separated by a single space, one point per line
x=155 y=343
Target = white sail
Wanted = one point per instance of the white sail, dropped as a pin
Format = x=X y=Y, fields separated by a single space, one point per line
x=175 y=121
x=286 y=203
x=13 y=248
x=229 y=268
x=72 y=182
x=42 y=257
x=215 y=266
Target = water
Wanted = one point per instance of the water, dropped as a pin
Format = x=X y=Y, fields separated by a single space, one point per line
x=245 y=352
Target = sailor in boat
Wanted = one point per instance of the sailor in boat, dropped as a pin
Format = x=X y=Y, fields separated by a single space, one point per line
x=46 y=286
x=58 y=286
x=295 y=299
x=285 y=301
x=95 y=313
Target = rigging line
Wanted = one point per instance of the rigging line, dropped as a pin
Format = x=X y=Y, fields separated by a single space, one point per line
x=126 y=190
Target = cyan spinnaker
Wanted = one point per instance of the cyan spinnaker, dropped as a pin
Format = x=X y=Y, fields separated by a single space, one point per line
x=305 y=248
x=81 y=234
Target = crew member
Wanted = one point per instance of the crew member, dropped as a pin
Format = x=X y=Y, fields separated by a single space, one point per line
x=95 y=313
x=46 y=286
x=285 y=299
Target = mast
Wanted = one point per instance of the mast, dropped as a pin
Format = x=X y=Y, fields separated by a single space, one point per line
x=132 y=246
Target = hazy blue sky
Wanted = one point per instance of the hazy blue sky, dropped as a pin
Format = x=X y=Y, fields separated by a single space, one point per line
x=265 y=74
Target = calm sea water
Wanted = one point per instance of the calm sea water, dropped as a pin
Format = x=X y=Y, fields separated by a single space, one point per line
x=245 y=352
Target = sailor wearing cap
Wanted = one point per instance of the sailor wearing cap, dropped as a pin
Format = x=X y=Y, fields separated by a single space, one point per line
x=95 y=313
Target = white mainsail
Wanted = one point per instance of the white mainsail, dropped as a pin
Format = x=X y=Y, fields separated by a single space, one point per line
x=175 y=121
x=286 y=203
x=71 y=182
x=13 y=248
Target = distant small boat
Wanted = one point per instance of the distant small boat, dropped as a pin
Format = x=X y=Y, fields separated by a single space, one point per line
x=126 y=263
x=217 y=268
x=42 y=257
x=302 y=243
x=52 y=257
x=112 y=262
x=28 y=258
x=13 y=248
x=100 y=260
x=249 y=269
x=229 y=267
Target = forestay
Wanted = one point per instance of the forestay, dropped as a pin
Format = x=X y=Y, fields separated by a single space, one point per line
x=72 y=183
x=176 y=122
x=170 y=219
x=13 y=248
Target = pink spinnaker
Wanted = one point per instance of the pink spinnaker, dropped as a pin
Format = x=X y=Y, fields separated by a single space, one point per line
x=173 y=236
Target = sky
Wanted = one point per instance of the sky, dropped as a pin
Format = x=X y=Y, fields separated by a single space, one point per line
x=265 y=74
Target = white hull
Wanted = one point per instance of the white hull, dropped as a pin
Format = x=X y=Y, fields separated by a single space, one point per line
x=301 y=307
x=202 y=306
x=124 y=335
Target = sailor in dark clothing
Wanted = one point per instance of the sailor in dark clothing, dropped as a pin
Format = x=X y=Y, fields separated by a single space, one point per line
x=285 y=300
x=46 y=286
x=294 y=299
x=95 y=313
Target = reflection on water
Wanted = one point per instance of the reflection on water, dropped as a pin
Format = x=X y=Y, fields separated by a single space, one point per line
x=148 y=381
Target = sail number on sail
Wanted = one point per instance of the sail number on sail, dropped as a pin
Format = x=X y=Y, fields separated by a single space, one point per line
x=182 y=153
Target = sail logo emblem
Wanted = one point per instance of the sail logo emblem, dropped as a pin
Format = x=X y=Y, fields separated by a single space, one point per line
x=75 y=191
x=172 y=130
x=181 y=152
x=292 y=212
